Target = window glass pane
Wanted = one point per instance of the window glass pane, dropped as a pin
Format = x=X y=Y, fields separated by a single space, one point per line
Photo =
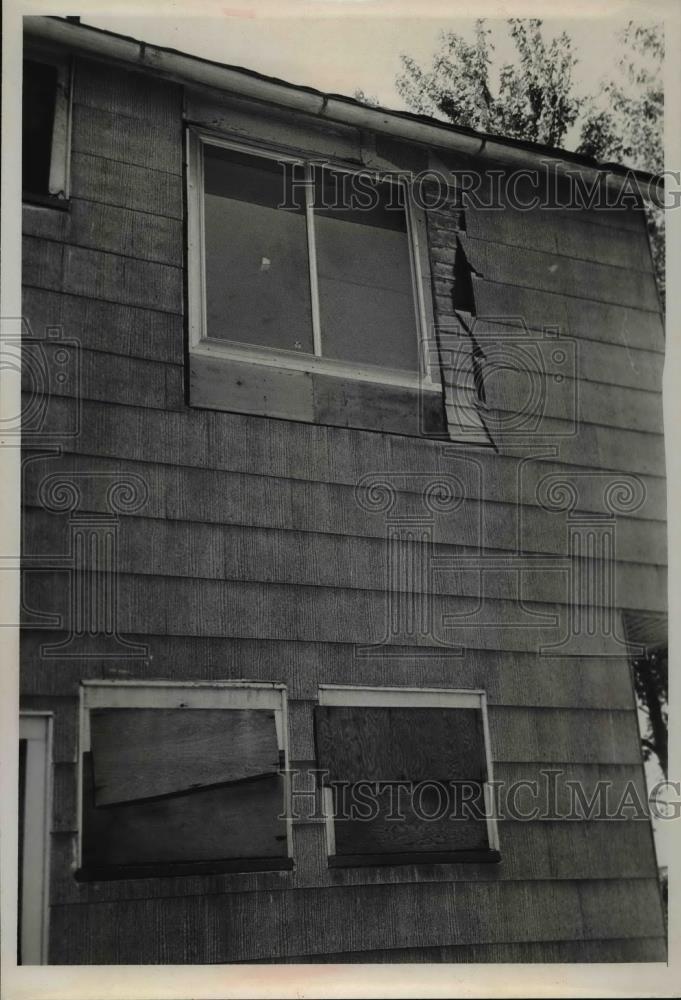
x=39 y=94
x=365 y=281
x=257 y=270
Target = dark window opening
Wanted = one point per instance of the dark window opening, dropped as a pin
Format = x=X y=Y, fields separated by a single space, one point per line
x=39 y=102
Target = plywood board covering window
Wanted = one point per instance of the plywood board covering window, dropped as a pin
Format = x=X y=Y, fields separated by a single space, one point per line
x=405 y=775
x=181 y=778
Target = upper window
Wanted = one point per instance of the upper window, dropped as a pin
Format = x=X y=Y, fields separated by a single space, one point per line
x=301 y=265
x=182 y=778
x=405 y=775
x=45 y=128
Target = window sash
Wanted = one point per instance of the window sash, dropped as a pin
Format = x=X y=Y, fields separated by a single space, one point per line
x=426 y=379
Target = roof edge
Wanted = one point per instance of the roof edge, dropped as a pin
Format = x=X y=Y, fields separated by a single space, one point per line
x=179 y=66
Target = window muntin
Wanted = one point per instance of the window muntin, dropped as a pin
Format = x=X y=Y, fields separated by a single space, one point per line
x=178 y=778
x=357 y=346
x=406 y=775
x=46 y=127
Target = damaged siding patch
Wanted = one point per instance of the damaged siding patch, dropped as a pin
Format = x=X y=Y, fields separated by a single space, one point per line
x=461 y=358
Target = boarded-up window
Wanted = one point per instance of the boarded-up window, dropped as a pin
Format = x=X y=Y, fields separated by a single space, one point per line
x=404 y=782
x=182 y=785
x=304 y=259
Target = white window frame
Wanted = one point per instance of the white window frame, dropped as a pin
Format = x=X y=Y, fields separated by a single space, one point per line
x=428 y=379
x=237 y=694
x=59 y=185
x=350 y=696
x=36 y=729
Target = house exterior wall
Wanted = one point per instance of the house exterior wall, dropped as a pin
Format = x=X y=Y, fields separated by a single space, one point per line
x=242 y=552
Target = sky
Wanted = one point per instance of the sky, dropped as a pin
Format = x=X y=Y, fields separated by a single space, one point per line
x=346 y=52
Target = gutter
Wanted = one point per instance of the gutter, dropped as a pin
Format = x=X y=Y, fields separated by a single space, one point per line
x=182 y=68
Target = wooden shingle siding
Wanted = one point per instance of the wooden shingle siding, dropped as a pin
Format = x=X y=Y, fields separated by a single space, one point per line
x=215 y=497
x=252 y=558
x=562 y=275
x=117 y=330
x=549 y=231
x=227 y=928
x=582 y=318
x=511 y=678
x=166 y=547
x=141 y=142
x=641 y=950
x=111 y=182
x=139 y=235
x=334 y=456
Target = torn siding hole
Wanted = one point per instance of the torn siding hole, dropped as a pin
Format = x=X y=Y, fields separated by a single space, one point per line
x=462 y=360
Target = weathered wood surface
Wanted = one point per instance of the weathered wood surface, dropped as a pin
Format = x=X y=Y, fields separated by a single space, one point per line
x=237 y=821
x=171 y=548
x=541 y=735
x=253 y=121
x=605 y=448
x=132 y=332
x=180 y=606
x=562 y=275
x=190 y=495
x=377 y=744
x=112 y=182
x=581 y=318
x=144 y=753
x=293 y=395
x=103 y=276
x=558 y=850
x=137 y=95
x=509 y=678
x=442 y=831
x=135 y=140
x=134 y=234
x=226 y=928
x=548 y=231
x=652 y=949
x=235 y=442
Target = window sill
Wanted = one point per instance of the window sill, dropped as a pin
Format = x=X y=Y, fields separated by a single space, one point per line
x=415 y=857
x=46 y=201
x=217 y=383
x=110 y=873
